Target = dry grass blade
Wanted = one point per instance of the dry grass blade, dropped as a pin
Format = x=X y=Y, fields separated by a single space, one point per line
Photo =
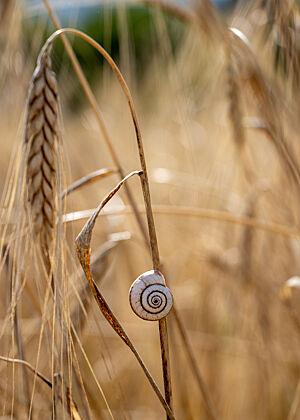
x=29 y=366
x=72 y=407
x=99 y=268
x=64 y=405
x=41 y=137
x=217 y=215
x=88 y=179
x=59 y=407
x=83 y=241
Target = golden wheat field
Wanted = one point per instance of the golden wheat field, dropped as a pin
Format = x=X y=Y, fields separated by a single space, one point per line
x=156 y=141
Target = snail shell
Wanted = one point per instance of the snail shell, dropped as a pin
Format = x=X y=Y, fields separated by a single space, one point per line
x=149 y=296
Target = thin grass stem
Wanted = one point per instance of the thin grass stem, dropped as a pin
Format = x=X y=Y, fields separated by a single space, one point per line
x=215 y=215
x=29 y=366
x=88 y=179
x=145 y=188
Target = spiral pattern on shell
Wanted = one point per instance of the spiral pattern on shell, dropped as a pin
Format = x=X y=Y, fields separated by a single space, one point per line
x=149 y=297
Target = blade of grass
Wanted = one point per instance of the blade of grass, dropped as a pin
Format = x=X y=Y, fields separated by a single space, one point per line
x=83 y=241
x=216 y=215
x=72 y=407
x=88 y=179
x=29 y=366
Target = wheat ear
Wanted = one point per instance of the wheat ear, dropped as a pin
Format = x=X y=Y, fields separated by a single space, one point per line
x=40 y=142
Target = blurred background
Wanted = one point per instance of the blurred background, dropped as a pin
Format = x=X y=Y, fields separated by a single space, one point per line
x=219 y=115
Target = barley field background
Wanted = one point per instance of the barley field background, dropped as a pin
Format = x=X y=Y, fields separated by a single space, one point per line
x=215 y=92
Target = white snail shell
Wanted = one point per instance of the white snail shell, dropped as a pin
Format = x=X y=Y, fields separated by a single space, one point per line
x=149 y=296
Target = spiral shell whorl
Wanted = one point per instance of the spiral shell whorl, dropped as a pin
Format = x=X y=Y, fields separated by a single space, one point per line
x=149 y=297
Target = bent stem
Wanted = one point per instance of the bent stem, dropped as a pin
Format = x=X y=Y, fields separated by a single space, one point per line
x=29 y=366
x=83 y=249
x=145 y=187
x=94 y=106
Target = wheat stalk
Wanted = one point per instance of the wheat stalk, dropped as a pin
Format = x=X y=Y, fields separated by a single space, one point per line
x=41 y=137
x=203 y=213
x=235 y=113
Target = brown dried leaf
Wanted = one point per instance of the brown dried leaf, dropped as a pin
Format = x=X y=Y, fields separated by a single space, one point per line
x=83 y=249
